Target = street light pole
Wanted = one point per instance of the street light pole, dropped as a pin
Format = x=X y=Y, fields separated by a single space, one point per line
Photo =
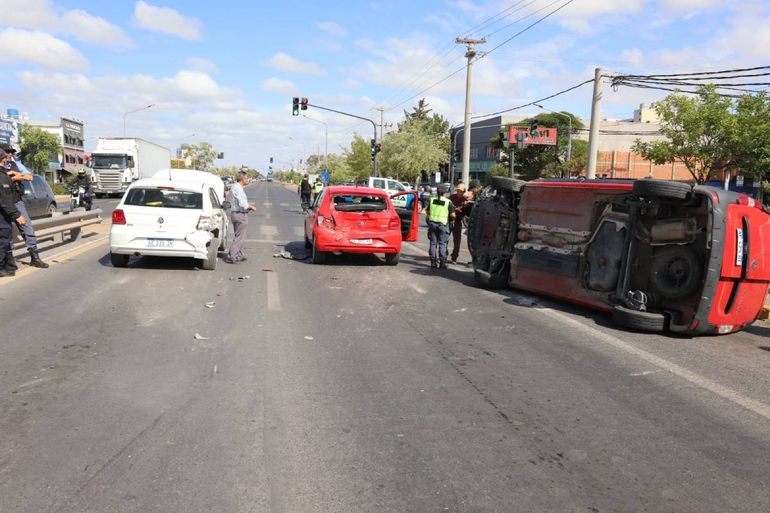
x=326 y=139
x=569 y=138
x=131 y=112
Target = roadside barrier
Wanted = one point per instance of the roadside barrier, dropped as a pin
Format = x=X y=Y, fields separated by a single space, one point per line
x=48 y=228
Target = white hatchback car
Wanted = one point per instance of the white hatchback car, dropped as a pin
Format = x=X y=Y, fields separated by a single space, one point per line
x=167 y=217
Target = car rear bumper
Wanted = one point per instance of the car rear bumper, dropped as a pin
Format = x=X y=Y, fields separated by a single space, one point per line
x=333 y=242
x=193 y=245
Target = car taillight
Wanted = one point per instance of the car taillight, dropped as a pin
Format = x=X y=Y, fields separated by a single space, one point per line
x=118 y=216
x=326 y=222
x=204 y=223
x=395 y=222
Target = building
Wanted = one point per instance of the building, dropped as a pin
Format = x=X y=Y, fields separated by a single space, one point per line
x=483 y=154
x=10 y=127
x=70 y=133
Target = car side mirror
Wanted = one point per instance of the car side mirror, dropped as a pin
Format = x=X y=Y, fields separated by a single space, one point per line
x=226 y=205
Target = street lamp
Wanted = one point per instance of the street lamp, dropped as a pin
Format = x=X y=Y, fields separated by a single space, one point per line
x=569 y=139
x=131 y=112
x=326 y=140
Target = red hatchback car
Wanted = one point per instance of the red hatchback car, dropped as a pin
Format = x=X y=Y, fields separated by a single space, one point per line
x=350 y=219
x=656 y=254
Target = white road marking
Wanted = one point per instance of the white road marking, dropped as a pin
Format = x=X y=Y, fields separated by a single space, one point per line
x=285 y=205
x=722 y=391
x=267 y=204
x=418 y=289
x=273 y=295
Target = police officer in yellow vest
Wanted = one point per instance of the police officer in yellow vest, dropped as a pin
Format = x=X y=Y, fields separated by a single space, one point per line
x=440 y=215
x=318 y=186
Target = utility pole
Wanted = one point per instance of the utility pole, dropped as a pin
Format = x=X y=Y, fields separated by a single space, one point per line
x=382 y=121
x=470 y=54
x=593 y=134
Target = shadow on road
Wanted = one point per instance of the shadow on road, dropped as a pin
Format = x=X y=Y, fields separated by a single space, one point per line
x=157 y=263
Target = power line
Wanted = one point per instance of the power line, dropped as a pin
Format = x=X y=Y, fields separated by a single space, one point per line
x=589 y=81
x=514 y=22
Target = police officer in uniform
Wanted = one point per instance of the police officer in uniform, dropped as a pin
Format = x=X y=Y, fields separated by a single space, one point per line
x=440 y=215
x=317 y=188
x=8 y=215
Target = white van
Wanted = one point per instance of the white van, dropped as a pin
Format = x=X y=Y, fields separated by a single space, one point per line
x=392 y=187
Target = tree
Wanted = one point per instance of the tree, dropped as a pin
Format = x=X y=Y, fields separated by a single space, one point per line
x=752 y=141
x=411 y=149
x=201 y=156
x=700 y=131
x=38 y=149
x=359 y=158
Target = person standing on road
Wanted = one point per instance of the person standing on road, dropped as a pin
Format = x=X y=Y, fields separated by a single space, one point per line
x=8 y=215
x=317 y=188
x=240 y=217
x=18 y=173
x=458 y=202
x=440 y=213
x=305 y=190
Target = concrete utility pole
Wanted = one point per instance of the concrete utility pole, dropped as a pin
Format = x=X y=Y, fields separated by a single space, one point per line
x=470 y=55
x=593 y=134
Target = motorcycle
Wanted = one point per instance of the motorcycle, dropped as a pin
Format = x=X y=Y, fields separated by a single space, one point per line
x=79 y=198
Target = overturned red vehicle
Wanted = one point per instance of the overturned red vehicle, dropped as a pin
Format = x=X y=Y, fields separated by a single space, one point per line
x=656 y=254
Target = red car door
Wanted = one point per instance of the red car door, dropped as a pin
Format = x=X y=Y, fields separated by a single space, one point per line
x=409 y=216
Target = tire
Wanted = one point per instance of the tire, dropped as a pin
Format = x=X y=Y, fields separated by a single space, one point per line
x=503 y=183
x=119 y=260
x=392 y=258
x=675 y=272
x=308 y=244
x=662 y=189
x=489 y=281
x=318 y=257
x=210 y=264
x=639 y=321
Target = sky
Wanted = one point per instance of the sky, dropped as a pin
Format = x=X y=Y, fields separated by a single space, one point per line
x=225 y=72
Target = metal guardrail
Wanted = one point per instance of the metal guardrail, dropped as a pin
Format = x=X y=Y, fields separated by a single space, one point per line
x=72 y=222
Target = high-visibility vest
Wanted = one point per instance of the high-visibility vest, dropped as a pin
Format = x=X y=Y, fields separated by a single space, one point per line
x=318 y=187
x=439 y=210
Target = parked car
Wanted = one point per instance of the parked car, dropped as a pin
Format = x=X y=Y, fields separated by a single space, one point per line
x=656 y=254
x=345 y=219
x=38 y=197
x=392 y=187
x=169 y=217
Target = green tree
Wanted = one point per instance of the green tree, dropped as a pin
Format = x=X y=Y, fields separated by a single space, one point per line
x=359 y=158
x=752 y=136
x=201 y=155
x=700 y=131
x=413 y=148
x=38 y=149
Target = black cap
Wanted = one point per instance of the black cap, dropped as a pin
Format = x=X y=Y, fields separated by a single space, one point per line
x=7 y=148
x=474 y=183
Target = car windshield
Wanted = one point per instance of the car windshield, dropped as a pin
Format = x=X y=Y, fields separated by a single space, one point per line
x=109 y=161
x=163 y=197
x=359 y=203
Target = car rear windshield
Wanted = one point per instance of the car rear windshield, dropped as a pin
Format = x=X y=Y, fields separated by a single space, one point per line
x=359 y=203
x=165 y=197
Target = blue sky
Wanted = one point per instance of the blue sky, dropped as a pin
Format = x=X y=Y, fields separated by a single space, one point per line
x=226 y=71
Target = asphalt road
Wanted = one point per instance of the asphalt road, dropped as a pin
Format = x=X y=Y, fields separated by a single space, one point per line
x=357 y=387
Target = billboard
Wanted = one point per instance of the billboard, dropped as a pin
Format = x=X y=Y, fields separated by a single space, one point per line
x=544 y=137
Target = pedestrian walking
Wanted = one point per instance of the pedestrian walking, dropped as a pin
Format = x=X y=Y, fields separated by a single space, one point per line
x=18 y=174
x=458 y=200
x=240 y=217
x=8 y=215
x=440 y=214
x=305 y=190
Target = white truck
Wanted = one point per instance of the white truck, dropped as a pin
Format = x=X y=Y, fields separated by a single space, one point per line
x=119 y=161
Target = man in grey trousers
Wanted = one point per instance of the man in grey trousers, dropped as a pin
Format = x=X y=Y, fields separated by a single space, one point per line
x=240 y=217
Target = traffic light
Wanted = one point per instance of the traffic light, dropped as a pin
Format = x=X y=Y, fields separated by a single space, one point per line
x=504 y=138
x=456 y=156
x=373 y=147
x=295 y=106
x=377 y=148
x=271 y=160
x=533 y=128
x=304 y=103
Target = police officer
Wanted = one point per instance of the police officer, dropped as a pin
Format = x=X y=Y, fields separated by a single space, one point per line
x=304 y=190
x=8 y=215
x=440 y=215
x=18 y=173
x=317 y=188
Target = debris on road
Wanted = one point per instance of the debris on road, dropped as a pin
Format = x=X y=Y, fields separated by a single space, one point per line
x=198 y=336
x=307 y=337
x=239 y=278
x=291 y=256
x=268 y=270
x=210 y=304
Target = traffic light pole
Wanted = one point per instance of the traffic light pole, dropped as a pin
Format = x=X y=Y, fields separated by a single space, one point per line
x=374 y=126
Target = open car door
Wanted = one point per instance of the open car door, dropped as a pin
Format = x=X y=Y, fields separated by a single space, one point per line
x=409 y=214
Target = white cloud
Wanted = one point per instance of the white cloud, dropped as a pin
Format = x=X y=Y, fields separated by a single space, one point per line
x=43 y=15
x=285 y=62
x=278 y=85
x=689 y=5
x=747 y=37
x=332 y=28
x=350 y=83
x=201 y=64
x=167 y=21
x=40 y=48
x=633 y=57
x=581 y=15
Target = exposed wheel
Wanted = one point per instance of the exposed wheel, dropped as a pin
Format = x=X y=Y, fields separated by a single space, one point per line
x=636 y=320
x=503 y=183
x=661 y=189
x=119 y=260
x=392 y=258
x=318 y=257
x=489 y=281
x=210 y=264
x=675 y=273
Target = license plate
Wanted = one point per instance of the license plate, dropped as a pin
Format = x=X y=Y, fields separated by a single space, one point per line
x=739 y=247
x=360 y=241
x=160 y=243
